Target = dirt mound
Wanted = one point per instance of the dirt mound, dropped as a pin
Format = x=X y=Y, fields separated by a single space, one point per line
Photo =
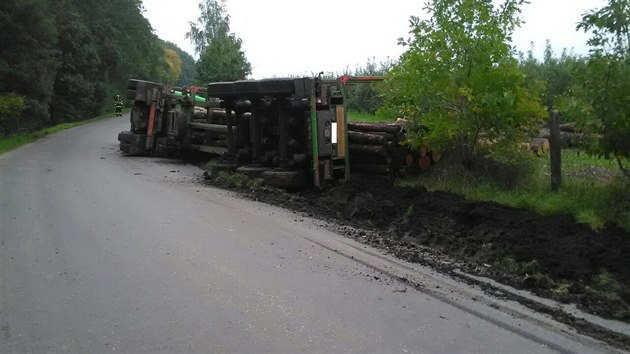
x=551 y=255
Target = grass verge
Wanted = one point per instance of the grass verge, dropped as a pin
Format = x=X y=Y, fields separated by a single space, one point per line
x=593 y=192
x=366 y=117
x=15 y=141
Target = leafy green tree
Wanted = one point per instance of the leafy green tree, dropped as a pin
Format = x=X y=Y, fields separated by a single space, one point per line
x=76 y=89
x=11 y=106
x=556 y=73
x=364 y=97
x=188 y=72
x=28 y=59
x=221 y=54
x=604 y=90
x=460 y=80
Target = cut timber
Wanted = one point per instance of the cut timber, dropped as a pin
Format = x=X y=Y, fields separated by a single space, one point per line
x=375 y=127
x=569 y=127
x=424 y=163
x=540 y=146
x=409 y=160
x=371 y=168
x=367 y=149
x=366 y=138
x=370 y=158
x=436 y=155
x=217 y=128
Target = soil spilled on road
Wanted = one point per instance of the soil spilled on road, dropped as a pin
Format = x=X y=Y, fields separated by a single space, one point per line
x=551 y=256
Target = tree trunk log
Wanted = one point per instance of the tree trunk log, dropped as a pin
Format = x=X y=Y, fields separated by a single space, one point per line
x=375 y=127
x=371 y=168
x=366 y=138
x=367 y=149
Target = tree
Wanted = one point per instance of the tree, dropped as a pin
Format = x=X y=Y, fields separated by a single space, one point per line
x=28 y=59
x=221 y=56
x=76 y=87
x=188 y=72
x=459 y=79
x=174 y=63
x=556 y=73
x=605 y=87
x=365 y=98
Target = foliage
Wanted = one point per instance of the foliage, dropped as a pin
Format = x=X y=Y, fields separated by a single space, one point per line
x=67 y=58
x=16 y=140
x=188 y=65
x=354 y=116
x=459 y=79
x=29 y=58
x=221 y=56
x=174 y=63
x=11 y=106
x=364 y=97
x=556 y=73
x=603 y=92
x=596 y=199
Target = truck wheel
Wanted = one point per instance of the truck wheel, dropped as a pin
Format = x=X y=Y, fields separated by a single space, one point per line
x=132 y=84
x=246 y=88
x=221 y=89
x=276 y=87
x=126 y=137
x=125 y=147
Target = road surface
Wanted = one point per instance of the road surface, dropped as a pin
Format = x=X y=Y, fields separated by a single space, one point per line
x=102 y=252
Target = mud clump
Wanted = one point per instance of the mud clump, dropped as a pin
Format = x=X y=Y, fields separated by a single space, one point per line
x=550 y=255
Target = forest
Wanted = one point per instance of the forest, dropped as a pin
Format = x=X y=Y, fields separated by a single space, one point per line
x=65 y=60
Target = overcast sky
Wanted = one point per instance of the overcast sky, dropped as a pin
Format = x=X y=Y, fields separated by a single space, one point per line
x=283 y=37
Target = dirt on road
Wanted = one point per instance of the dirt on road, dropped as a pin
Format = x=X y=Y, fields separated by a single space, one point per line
x=551 y=256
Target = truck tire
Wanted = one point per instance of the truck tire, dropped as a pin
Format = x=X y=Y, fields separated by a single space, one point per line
x=126 y=137
x=276 y=87
x=246 y=88
x=132 y=84
x=221 y=89
x=125 y=147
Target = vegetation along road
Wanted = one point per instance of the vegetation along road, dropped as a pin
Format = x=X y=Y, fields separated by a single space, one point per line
x=102 y=252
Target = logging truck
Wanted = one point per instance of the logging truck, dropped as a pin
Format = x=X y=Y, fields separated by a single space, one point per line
x=292 y=132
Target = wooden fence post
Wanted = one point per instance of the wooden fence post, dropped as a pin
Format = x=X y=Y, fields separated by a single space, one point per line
x=555 y=146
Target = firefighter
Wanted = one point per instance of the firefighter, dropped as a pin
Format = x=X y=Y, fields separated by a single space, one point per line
x=118 y=104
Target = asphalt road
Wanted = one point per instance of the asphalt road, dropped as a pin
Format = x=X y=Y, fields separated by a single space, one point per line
x=102 y=252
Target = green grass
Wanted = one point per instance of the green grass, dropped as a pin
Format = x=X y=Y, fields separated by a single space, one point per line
x=15 y=141
x=366 y=117
x=593 y=198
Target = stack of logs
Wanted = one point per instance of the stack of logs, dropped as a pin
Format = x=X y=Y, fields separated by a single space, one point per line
x=375 y=149
x=569 y=136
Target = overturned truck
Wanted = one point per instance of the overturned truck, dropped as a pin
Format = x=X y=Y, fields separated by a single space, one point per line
x=292 y=132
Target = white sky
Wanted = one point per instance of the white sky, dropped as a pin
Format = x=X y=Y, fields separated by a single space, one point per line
x=283 y=37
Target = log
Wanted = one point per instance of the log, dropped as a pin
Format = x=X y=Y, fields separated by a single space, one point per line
x=436 y=155
x=375 y=127
x=371 y=168
x=540 y=146
x=424 y=163
x=568 y=127
x=367 y=149
x=366 y=138
x=371 y=158
x=221 y=143
x=568 y=139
